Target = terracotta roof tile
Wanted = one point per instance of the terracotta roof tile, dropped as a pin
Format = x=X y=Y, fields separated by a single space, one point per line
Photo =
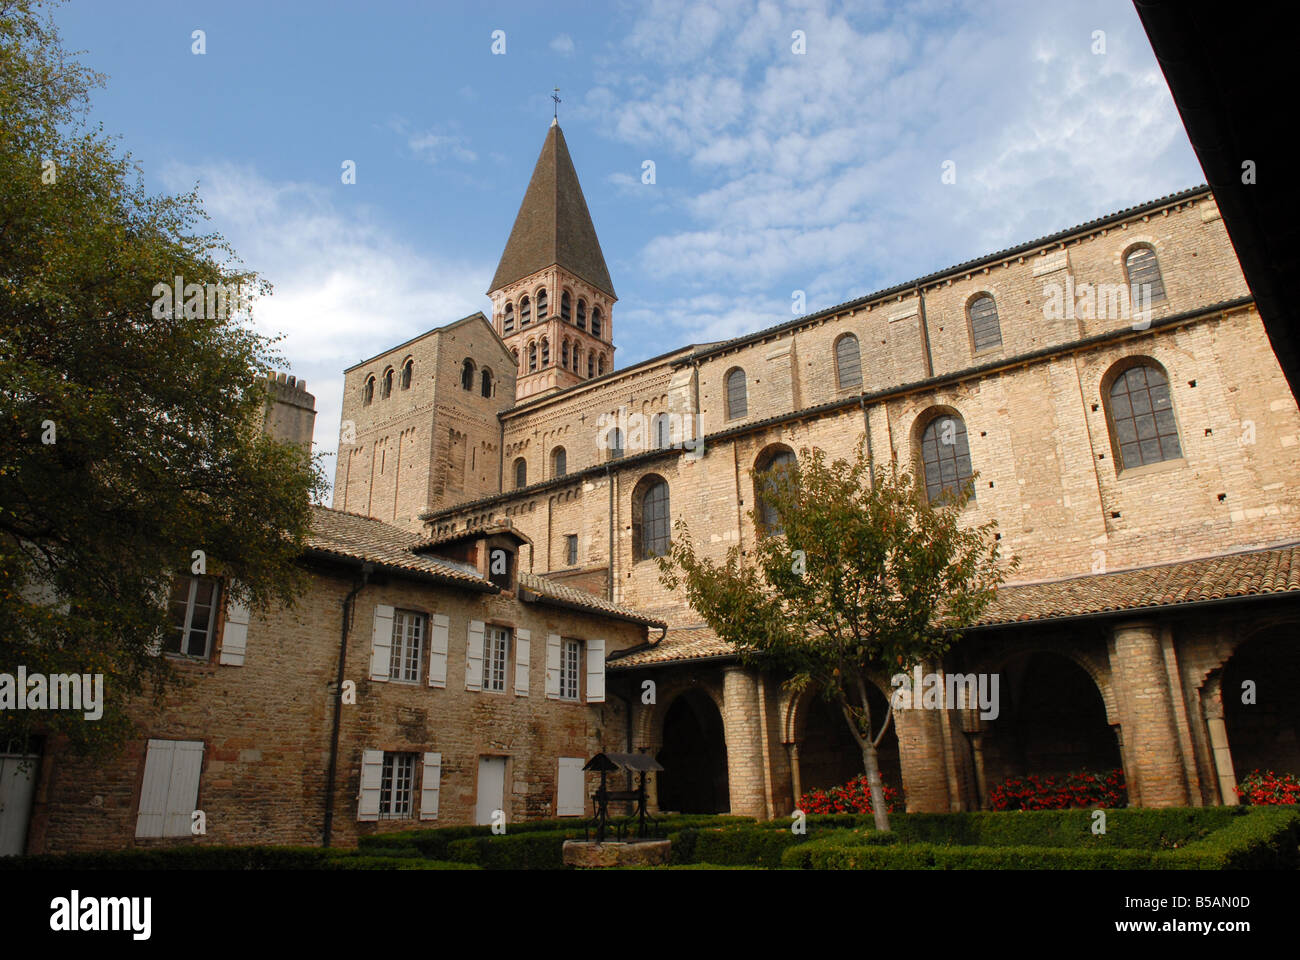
x=363 y=538
x=572 y=596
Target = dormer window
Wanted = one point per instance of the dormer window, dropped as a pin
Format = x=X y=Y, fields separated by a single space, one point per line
x=501 y=567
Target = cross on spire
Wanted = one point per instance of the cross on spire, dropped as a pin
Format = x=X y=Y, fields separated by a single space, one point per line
x=555 y=116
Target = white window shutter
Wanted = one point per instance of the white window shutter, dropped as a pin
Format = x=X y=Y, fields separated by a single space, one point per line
x=595 y=671
x=430 y=784
x=183 y=793
x=439 y=629
x=372 y=775
x=553 y=666
x=153 y=792
x=381 y=643
x=569 y=788
x=523 y=640
x=234 y=635
x=474 y=656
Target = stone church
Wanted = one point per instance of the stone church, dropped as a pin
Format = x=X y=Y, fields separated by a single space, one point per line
x=1109 y=390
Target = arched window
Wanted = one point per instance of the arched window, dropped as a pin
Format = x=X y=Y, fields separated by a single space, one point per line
x=546 y=352
x=559 y=462
x=945 y=457
x=467 y=374
x=508 y=320
x=582 y=314
x=368 y=391
x=660 y=432
x=600 y=365
x=650 y=525
x=1143 y=427
x=486 y=383
x=848 y=361
x=566 y=307
x=773 y=459
x=386 y=388
x=521 y=473
x=541 y=304
x=737 y=400
x=985 y=328
x=577 y=358
x=515 y=353
x=532 y=357
x=595 y=321
x=525 y=312
x=614 y=444
x=1144 y=273
x=564 y=355
x=591 y=364
x=408 y=368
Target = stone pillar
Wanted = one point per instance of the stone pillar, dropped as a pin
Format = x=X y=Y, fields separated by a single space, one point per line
x=741 y=724
x=792 y=749
x=921 y=755
x=1150 y=733
x=1212 y=707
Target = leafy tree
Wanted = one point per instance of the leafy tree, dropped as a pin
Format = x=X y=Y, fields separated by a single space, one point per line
x=131 y=433
x=860 y=576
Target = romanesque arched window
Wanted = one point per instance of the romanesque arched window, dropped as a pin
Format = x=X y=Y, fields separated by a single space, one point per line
x=467 y=374
x=1140 y=411
x=771 y=461
x=595 y=321
x=541 y=304
x=386 y=385
x=945 y=457
x=591 y=364
x=532 y=357
x=1144 y=273
x=737 y=399
x=650 y=513
x=408 y=368
x=525 y=311
x=485 y=384
x=614 y=444
x=566 y=307
x=600 y=365
x=514 y=352
x=660 y=431
x=848 y=362
x=559 y=462
x=521 y=472
x=368 y=391
x=582 y=314
x=985 y=328
x=508 y=318
x=546 y=352
x=564 y=355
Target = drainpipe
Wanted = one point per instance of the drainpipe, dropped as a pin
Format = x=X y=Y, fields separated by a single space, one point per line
x=925 y=331
x=866 y=426
x=348 y=609
x=609 y=482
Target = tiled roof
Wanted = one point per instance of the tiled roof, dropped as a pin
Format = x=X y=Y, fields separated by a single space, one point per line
x=363 y=538
x=1254 y=573
x=573 y=597
x=487 y=530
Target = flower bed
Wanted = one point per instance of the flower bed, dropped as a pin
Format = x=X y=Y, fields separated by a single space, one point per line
x=1080 y=789
x=1267 y=788
x=852 y=797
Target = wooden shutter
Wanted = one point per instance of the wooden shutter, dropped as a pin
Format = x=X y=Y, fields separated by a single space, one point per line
x=595 y=671
x=430 y=784
x=234 y=635
x=474 y=656
x=381 y=643
x=523 y=640
x=440 y=629
x=569 y=788
x=153 y=791
x=372 y=775
x=553 y=666
x=183 y=791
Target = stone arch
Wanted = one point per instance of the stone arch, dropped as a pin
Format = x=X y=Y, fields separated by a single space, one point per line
x=1265 y=734
x=693 y=752
x=824 y=751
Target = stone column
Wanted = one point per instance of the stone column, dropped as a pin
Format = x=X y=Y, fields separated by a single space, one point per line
x=922 y=756
x=1212 y=707
x=740 y=721
x=792 y=749
x=1154 y=749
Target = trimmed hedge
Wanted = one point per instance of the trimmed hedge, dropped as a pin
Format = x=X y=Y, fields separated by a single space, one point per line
x=213 y=857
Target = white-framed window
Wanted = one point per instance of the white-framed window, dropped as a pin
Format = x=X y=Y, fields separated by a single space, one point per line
x=496 y=655
x=396 y=786
x=193 y=616
x=169 y=793
x=570 y=668
x=408 y=645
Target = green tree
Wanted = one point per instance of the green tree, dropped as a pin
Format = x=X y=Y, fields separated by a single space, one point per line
x=860 y=576
x=131 y=434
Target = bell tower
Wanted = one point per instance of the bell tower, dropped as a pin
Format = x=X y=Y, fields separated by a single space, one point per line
x=552 y=299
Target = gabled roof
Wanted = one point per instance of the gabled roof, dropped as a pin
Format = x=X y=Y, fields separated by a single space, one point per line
x=560 y=595
x=553 y=225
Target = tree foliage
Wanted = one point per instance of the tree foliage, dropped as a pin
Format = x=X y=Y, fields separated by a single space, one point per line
x=862 y=578
x=130 y=439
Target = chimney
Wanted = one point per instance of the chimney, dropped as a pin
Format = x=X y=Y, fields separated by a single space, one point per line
x=290 y=413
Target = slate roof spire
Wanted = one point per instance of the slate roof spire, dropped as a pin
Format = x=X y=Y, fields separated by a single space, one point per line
x=553 y=225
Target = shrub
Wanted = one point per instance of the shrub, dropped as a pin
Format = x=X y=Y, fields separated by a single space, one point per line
x=852 y=797
x=1080 y=789
x=1267 y=788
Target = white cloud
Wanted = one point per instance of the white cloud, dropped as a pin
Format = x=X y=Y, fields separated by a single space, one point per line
x=563 y=45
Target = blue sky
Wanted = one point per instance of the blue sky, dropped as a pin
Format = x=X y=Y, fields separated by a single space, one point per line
x=774 y=171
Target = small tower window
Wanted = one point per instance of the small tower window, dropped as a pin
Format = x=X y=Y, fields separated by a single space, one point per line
x=582 y=314
x=486 y=382
x=508 y=319
x=387 y=389
x=595 y=321
x=368 y=392
x=566 y=307
x=525 y=312
x=408 y=368
x=546 y=352
x=591 y=364
x=532 y=357
x=600 y=365
x=564 y=355
x=541 y=304
x=467 y=374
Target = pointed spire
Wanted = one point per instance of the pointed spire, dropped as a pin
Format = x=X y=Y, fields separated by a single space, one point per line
x=553 y=225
